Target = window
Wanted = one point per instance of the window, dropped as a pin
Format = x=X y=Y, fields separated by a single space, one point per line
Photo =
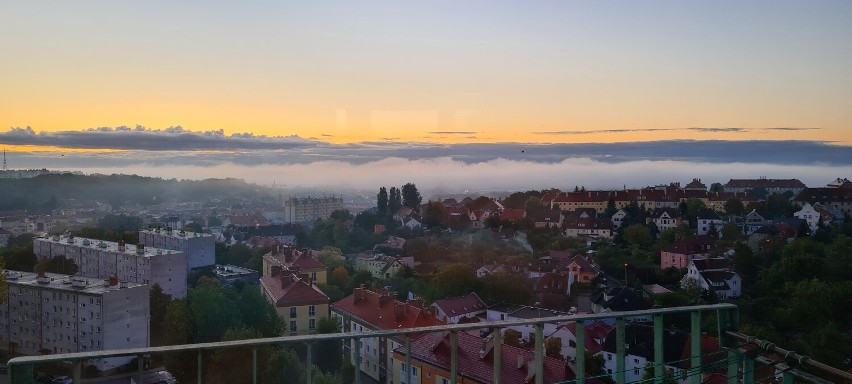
x=312 y=324
x=635 y=371
x=444 y=381
x=312 y=311
x=292 y=326
x=292 y=312
x=313 y=276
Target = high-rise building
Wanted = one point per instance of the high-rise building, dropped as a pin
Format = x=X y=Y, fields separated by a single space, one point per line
x=105 y=259
x=51 y=313
x=307 y=209
x=199 y=248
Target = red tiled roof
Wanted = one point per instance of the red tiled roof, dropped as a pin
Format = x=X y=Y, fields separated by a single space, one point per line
x=297 y=292
x=711 y=352
x=378 y=309
x=290 y=257
x=596 y=330
x=711 y=264
x=456 y=211
x=693 y=245
x=434 y=349
x=461 y=305
x=551 y=282
x=513 y=214
x=765 y=183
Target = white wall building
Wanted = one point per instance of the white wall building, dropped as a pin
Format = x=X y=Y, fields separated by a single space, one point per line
x=105 y=259
x=199 y=248
x=55 y=313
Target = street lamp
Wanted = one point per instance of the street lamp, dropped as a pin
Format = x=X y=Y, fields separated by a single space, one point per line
x=625 y=274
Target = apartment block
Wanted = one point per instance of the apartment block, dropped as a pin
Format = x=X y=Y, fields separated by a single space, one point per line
x=302 y=209
x=199 y=248
x=52 y=313
x=105 y=259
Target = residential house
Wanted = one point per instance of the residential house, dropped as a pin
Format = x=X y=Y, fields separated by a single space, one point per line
x=708 y=219
x=513 y=215
x=548 y=219
x=619 y=218
x=664 y=218
x=714 y=275
x=695 y=185
x=551 y=290
x=366 y=310
x=403 y=214
x=581 y=269
x=413 y=224
x=431 y=359
x=228 y=275
x=247 y=220
x=595 y=335
x=639 y=351
x=618 y=299
x=768 y=234
x=297 y=300
x=294 y=260
x=771 y=186
x=459 y=309
x=380 y=266
x=490 y=269
x=587 y=227
x=504 y=311
x=679 y=254
x=814 y=215
x=752 y=222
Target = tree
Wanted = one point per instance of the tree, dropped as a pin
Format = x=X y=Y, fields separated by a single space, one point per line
x=638 y=235
x=340 y=276
x=734 y=207
x=610 y=208
x=668 y=377
x=512 y=337
x=213 y=312
x=717 y=188
x=453 y=280
x=178 y=328
x=713 y=231
x=329 y=352
x=57 y=264
x=731 y=232
x=382 y=201
x=394 y=200
x=331 y=257
x=434 y=214
x=229 y=365
x=532 y=206
x=411 y=197
x=159 y=303
x=258 y=313
x=553 y=347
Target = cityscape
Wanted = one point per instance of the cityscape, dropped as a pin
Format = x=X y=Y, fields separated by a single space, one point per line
x=426 y=193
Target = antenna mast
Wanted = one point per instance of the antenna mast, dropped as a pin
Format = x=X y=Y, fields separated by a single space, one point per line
x=4 y=159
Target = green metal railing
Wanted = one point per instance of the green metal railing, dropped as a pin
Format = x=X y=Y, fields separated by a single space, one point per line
x=739 y=364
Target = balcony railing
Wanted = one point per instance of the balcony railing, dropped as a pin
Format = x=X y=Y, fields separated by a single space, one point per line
x=743 y=354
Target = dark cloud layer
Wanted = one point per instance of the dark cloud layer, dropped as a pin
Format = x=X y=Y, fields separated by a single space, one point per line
x=693 y=129
x=146 y=139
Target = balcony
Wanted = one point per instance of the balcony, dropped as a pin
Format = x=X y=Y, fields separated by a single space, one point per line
x=739 y=358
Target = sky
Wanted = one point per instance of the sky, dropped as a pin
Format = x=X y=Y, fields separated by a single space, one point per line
x=217 y=85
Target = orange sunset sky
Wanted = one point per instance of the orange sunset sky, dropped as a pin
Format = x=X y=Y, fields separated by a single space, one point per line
x=553 y=72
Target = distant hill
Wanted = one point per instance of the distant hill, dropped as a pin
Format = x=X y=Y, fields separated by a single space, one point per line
x=46 y=192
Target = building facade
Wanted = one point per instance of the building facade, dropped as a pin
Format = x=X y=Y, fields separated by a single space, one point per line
x=309 y=209
x=106 y=259
x=53 y=313
x=299 y=303
x=199 y=248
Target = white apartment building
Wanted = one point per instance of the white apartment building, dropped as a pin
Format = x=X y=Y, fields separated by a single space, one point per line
x=105 y=259
x=53 y=313
x=199 y=248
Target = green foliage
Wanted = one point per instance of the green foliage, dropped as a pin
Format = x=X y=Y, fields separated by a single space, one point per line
x=329 y=353
x=434 y=214
x=258 y=313
x=394 y=200
x=512 y=337
x=57 y=264
x=230 y=365
x=453 y=280
x=734 y=207
x=638 y=235
x=382 y=201
x=159 y=303
x=19 y=257
x=668 y=377
x=120 y=223
x=411 y=197
x=553 y=347
x=505 y=288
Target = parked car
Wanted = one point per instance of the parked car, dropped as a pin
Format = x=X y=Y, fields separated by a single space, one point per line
x=62 y=380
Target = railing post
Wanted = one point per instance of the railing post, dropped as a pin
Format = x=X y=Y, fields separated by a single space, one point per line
x=659 y=359
x=581 y=351
x=620 y=373
x=748 y=369
x=733 y=367
x=454 y=357
x=695 y=353
x=498 y=356
x=309 y=361
x=539 y=354
x=357 y=360
x=140 y=366
x=198 y=369
x=254 y=365
x=788 y=378
x=408 y=360
x=78 y=371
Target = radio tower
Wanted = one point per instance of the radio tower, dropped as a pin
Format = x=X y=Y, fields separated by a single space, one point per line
x=4 y=159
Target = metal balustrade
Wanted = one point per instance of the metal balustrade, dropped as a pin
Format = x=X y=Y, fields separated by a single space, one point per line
x=740 y=362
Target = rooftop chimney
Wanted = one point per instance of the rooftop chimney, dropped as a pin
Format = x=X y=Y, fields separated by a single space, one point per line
x=520 y=360
x=399 y=310
x=487 y=346
x=286 y=280
x=140 y=248
x=121 y=245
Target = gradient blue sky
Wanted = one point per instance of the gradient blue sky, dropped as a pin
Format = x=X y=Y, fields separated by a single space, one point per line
x=438 y=71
